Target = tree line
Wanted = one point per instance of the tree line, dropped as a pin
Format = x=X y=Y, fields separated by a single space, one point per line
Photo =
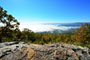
x=9 y=31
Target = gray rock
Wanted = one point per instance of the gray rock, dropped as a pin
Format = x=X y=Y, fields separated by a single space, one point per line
x=10 y=43
x=83 y=58
x=2 y=45
x=55 y=51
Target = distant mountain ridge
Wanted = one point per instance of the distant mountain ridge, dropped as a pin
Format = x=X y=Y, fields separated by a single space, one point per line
x=70 y=27
x=68 y=24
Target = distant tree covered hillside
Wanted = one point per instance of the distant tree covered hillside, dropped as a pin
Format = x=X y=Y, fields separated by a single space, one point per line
x=9 y=31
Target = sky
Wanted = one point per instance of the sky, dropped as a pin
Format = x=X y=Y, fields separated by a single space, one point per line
x=49 y=11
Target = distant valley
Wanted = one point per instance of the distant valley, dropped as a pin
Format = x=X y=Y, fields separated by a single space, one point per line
x=54 y=27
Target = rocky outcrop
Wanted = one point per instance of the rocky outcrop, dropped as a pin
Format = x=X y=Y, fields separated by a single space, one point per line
x=55 y=51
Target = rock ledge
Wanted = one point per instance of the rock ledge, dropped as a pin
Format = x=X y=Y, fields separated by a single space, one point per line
x=55 y=51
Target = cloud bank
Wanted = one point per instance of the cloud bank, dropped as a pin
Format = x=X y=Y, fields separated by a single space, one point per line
x=44 y=28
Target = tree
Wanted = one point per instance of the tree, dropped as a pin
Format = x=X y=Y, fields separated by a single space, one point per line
x=83 y=34
x=8 y=25
x=7 y=20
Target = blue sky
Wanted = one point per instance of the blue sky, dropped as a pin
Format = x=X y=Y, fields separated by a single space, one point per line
x=48 y=10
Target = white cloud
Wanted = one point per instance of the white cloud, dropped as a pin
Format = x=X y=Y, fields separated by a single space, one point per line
x=41 y=27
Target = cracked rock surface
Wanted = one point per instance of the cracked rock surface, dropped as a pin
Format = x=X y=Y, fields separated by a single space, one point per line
x=55 y=51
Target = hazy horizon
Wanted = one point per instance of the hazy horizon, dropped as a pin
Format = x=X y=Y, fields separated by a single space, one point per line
x=47 y=27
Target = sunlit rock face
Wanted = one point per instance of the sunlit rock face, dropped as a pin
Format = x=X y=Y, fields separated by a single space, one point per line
x=55 y=51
